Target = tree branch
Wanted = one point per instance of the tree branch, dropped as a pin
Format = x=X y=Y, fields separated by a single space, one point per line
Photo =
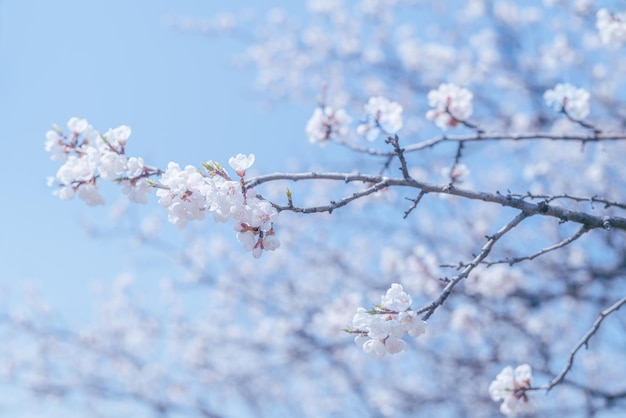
x=583 y=342
x=591 y=200
x=334 y=204
x=485 y=250
x=541 y=208
x=415 y=201
x=561 y=244
x=490 y=136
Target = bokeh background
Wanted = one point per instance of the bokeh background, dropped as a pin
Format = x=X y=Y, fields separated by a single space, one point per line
x=114 y=63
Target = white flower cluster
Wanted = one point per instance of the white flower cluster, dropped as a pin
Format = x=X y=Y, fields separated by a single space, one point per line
x=611 y=27
x=187 y=193
x=382 y=117
x=510 y=387
x=570 y=99
x=497 y=281
x=327 y=124
x=381 y=329
x=89 y=155
x=452 y=104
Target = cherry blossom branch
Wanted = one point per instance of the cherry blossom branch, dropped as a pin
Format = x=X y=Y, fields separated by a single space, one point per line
x=400 y=153
x=489 y=136
x=541 y=208
x=333 y=204
x=485 y=250
x=583 y=342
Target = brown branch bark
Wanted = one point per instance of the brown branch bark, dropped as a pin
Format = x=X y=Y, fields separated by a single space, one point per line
x=583 y=342
x=485 y=250
x=541 y=208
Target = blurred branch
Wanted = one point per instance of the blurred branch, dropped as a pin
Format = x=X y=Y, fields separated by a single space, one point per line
x=583 y=342
x=380 y=182
x=485 y=250
x=490 y=136
x=591 y=200
x=561 y=244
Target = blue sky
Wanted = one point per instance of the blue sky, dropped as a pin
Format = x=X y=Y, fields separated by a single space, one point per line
x=116 y=62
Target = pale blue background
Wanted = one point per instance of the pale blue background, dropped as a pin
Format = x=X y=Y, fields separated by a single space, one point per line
x=117 y=62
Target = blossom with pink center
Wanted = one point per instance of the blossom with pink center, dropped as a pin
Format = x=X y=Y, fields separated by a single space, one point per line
x=241 y=163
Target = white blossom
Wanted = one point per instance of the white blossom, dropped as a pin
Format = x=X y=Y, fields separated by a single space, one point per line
x=509 y=386
x=395 y=345
x=382 y=117
x=241 y=163
x=381 y=330
x=90 y=194
x=117 y=137
x=262 y=214
x=271 y=242
x=134 y=167
x=77 y=169
x=54 y=144
x=496 y=281
x=451 y=105
x=411 y=323
x=112 y=165
x=182 y=194
x=568 y=98
x=611 y=27
x=136 y=190
x=77 y=126
x=375 y=348
x=396 y=299
x=327 y=124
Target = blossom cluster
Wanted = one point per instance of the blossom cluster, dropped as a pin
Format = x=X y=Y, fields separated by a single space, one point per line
x=382 y=117
x=187 y=194
x=88 y=155
x=510 y=387
x=611 y=27
x=380 y=330
x=451 y=104
x=567 y=98
x=327 y=124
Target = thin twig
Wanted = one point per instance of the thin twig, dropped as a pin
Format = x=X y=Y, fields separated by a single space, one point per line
x=543 y=251
x=541 y=208
x=583 y=342
x=400 y=153
x=415 y=203
x=489 y=136
x=497 y=136
x=593 y=199
x=485 y=250
x=333 y=204
x=457 y=159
